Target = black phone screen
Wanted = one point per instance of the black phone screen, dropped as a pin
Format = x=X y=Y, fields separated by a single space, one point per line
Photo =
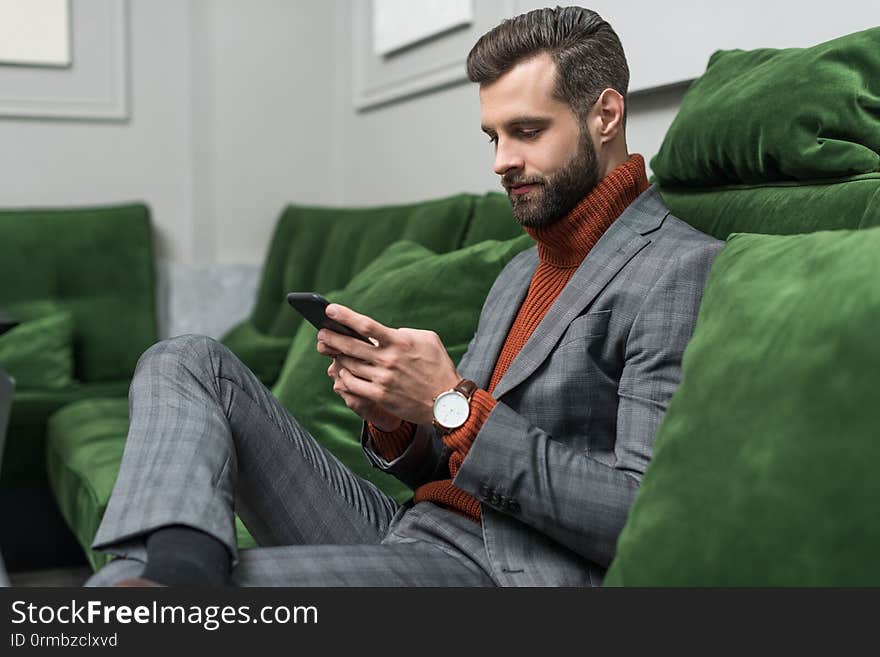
x=311 y=305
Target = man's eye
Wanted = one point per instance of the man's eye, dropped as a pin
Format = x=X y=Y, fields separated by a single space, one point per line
x=493 y=140
x=529 y=134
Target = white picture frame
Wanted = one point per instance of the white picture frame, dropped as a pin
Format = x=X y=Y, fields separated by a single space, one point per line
x=95 y=87
x=401 y=23
x=35 y=33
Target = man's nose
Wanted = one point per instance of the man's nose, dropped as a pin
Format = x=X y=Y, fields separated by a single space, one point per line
x=507 y=158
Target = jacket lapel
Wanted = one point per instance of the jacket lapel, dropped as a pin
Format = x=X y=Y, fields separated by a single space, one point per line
x=620 y=243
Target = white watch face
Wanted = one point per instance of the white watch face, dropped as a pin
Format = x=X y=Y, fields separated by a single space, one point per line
x=451 y=410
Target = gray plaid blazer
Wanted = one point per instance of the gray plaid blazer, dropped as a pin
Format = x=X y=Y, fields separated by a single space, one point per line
x=559 y=460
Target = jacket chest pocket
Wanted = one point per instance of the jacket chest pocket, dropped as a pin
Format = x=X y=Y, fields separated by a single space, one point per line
x=591 y=325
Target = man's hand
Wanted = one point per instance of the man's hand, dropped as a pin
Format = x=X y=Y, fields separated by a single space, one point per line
x=369 y=411
x=399 y=374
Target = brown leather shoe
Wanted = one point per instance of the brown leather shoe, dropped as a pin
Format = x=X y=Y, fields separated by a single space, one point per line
x=136 y=582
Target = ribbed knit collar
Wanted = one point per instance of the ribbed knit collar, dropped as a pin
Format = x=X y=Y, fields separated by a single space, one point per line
x=566 y=243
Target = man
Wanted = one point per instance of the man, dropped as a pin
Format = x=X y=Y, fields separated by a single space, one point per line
x=525 y=458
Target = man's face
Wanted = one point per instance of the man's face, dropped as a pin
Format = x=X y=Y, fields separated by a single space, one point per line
x=547 y=163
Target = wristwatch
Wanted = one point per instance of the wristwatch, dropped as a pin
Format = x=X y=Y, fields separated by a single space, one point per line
x=452 y=408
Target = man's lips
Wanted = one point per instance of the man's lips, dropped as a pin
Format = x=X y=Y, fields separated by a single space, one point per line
x=522 y=189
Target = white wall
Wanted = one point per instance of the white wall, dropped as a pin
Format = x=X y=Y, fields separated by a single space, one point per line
x=267 y=117
x=74 y=162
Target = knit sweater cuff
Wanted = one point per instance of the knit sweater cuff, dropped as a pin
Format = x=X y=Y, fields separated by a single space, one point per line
x=391 y=444
x=462 y=438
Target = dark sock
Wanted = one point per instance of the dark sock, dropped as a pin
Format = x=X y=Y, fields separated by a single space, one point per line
x=182 y=556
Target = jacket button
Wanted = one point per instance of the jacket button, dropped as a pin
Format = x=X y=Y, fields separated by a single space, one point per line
x=496 y=499
x=484 y=491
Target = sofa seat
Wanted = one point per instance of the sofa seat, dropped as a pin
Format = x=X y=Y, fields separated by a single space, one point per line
x=84 y=450
x=25 y=456
x=25 y=494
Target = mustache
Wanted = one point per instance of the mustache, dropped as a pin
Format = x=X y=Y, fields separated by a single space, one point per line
x=516 y=181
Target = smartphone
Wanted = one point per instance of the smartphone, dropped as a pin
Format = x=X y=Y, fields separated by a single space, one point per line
x=312 y=305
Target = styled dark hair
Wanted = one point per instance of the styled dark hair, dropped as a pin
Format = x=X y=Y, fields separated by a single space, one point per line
x=588 y=54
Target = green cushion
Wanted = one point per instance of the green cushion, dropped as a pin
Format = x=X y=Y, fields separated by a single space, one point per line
x=492 y=220
x=765 y=465
x=86 y=441
x=38 y=353
x=403 y=287
x=321 y=249
x=779 y=208
x=97 y=263
x=766 y=115
x=263 y=354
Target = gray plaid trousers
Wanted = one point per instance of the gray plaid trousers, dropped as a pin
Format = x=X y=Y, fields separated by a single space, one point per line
x=207 y=438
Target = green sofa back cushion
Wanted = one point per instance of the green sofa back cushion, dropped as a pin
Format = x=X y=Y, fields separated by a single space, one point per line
x=38 y=353
x=492 y=220
x=406 y=286
x=765 y=465
x=321 y=249
x=97 y=263
x=765 y=115
x=264 y=354
x=779 y=208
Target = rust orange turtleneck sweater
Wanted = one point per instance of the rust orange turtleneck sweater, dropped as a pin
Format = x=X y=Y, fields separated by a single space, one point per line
x=561 y=249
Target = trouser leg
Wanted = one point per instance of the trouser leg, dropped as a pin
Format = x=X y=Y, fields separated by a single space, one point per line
x=206 y=437
x=426 y=546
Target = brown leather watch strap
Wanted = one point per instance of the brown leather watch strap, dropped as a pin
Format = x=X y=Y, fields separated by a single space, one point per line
x=467 y=388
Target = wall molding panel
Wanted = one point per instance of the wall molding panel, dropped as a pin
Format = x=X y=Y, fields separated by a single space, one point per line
x=96 y=85
x=431 y=64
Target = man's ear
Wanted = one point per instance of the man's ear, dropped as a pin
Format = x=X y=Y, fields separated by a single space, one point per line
x=608 y=115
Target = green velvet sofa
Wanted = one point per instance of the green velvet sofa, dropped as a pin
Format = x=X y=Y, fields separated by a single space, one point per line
x=374 y=259
x=92 y=269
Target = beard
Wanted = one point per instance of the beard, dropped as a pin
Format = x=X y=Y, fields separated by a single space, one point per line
x=557 y=194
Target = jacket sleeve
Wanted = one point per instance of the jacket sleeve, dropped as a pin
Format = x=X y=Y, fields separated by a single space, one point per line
x=518 y=469
x=425 y=459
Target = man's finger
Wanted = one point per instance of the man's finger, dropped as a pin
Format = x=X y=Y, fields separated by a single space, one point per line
x=366 y=326
x=354 y=402
x=324 y=348
x=357 y=367
x=349 y=400
x=342 y=344
x=358 y=387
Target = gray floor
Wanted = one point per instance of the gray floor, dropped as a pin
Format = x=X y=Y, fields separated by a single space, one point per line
x=51 y=577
